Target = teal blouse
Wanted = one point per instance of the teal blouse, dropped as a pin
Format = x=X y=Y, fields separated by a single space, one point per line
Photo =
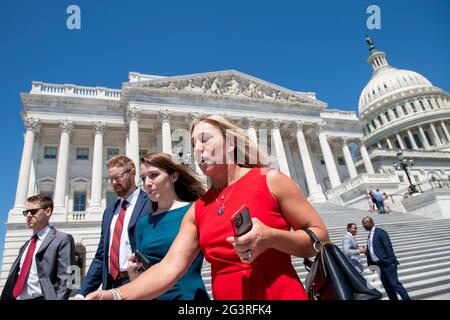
x=154 y=236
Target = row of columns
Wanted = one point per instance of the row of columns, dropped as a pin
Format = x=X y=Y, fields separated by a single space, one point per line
x=132 y=151
x=423 y=138
x=314 y=191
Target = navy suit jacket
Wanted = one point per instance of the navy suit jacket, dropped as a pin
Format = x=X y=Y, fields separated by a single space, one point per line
x=99 y=268
x=382 y=247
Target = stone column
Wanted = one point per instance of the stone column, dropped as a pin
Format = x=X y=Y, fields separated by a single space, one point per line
x=444 y=128
x=366 y=158
x=400 y=111
x=437 y=140
x=32 y=126
x=66 y=127
x=249 y=123
x=400 y=141
x=389 y=143
x=277 y=143
x=391 y=115
x=315 y=193
x=328 y=157
x=166 y=134
x=413 y=142
x=97 y=169
x=377 y=123
x=133 y=115
x=409 y=108
x=348 y=158
x=433 y=102
x=384 y=118
x=425 y=142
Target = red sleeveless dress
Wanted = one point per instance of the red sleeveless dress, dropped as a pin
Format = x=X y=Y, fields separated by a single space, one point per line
x=271 y=276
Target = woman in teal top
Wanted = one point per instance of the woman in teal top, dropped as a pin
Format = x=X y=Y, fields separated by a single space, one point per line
x=154 y=236
x=172 y=188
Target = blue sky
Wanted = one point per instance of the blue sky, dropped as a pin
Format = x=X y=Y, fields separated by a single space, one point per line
x=302 y=45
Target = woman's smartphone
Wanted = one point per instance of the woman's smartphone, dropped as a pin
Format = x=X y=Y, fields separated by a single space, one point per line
x=241 y=221
x=142 y=259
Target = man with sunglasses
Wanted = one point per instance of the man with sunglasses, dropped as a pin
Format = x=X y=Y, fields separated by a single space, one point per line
x=117 y=239
x=41 y=270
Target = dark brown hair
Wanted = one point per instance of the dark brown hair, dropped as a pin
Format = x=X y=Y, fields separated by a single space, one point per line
x=187 y=187
x=44 y=201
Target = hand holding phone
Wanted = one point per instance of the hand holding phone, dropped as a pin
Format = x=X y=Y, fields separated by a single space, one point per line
x=241 y=221
x=143 y=260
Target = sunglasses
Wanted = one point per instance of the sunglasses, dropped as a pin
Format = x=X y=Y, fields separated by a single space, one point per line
x=32 y=211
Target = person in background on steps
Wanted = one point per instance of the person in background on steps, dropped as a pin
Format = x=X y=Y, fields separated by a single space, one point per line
x=381 y=253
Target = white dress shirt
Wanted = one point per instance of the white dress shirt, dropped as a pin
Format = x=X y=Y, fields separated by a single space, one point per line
x=32 y=288
x=370 y=245
x=125 y=246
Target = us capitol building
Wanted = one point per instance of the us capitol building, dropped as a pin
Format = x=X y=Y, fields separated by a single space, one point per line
x=334 y=155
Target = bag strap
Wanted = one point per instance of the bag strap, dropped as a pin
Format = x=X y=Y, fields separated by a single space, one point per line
x=306 y=261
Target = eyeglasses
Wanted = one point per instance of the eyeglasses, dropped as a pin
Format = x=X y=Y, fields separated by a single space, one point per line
x=32 y=211
x=117 y=177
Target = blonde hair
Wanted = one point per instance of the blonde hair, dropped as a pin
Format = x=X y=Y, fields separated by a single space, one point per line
x=248 y=148
x=120 y=161
x=187 y=186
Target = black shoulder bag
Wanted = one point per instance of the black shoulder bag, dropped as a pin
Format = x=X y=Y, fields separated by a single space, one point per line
x=332 y=277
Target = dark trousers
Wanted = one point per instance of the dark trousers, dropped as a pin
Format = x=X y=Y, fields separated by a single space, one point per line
x=380 y=206
x=389 y=279
x=116 y=283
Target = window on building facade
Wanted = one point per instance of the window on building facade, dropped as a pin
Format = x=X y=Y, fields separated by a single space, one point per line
x=341 y=161
x=79 y=201
x=400 y=177
x=417 y=140
x=404 y=109
x=413 y=106
x=430 y=142
x=82 y=153
x=143 y=152
x=322 y=162
x=397 y=145
x=111 y=152
x=421 y=105
x=396 y=113
x=379 y=119
x=408 y=144
x=47 y=193
x=50 y=152
x=429 y=103
x=387 y=116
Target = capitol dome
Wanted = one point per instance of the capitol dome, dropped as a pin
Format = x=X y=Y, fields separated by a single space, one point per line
x=386 y=79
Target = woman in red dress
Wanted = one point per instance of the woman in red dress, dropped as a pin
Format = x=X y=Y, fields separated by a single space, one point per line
x=256 y=265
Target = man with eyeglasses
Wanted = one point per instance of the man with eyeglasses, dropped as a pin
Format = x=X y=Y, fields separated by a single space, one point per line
x=351 y=249
x=117 y=239
x=41 y=270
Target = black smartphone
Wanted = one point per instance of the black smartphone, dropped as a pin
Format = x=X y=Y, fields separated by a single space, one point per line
x=241 y=221
x=142 y=259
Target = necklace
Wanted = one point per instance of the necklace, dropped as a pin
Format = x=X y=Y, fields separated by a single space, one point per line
x=221 y=209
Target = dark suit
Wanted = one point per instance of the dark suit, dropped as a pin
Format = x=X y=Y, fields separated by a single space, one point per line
x=388 y=262
x=98 y=273
x=55 y=255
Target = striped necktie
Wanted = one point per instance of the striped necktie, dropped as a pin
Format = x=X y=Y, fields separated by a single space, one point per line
x=114 y=268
